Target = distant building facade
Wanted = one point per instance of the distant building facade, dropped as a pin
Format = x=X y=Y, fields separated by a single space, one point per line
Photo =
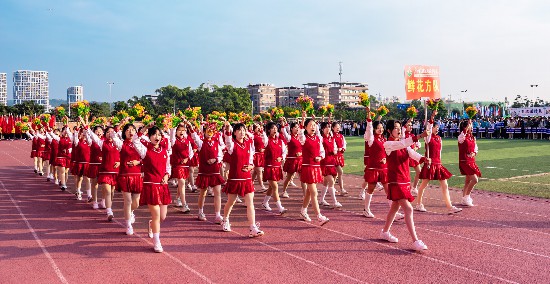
x=75 y=94
x=262 y=96
x=346 y=92
x=31 y=85
x=286 y=96
x=318 y=92
x=3 y=89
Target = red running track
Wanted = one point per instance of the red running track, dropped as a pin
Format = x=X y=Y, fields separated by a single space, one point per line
x=46 y=236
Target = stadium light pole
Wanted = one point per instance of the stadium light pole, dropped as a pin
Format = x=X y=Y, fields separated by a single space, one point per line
x=110 y=96
x=533 y=87
x=462 y=98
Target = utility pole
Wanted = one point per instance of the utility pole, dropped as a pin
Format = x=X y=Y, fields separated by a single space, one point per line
x=340 y=73
x=110 y=97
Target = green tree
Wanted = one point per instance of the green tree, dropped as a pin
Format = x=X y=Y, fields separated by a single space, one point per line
x=118 y=106
x=145 y=102
x=28 y=107
x=99 y=109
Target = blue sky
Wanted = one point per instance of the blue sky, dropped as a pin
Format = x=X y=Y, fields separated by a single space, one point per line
x=491 y=48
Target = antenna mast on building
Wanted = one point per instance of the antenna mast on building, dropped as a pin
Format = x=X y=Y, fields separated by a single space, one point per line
x=340 y=73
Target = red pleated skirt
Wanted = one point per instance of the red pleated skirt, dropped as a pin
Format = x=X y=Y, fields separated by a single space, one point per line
x=273 y=173
x=130 y=183
x=180 y=172
x=109 y=179
x=293 y=165
x=62 y=162
x=397 y=191
x=259 y=159
x=376 y=175
x=239 y=187
x=45 y=155
x=311 y=174
x=79 y=169
x=93 y=171
x=204 y=181
x=155 y=194
x=194 y=162
x=469 y=169
x=340 y=160
x=435 y=172
x=34 y=154
x=329 y=171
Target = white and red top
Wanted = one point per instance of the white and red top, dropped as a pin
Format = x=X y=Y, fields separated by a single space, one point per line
x=293 y=144
x=155 y=161
x=82 y=153
x=341 y=143
x=329 y=144
x=240 y=155
x=466 y=146
x=377 y=152
x=312 y=147
x=208 y=149
x=129 y=153
x=399 y=152
x=259 y=142
x=434 y=144
x=110 y=152
x=274 y=149
x=64 y=147
x=182 y=149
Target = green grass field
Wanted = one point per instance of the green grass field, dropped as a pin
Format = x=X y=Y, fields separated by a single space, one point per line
x=497 y=159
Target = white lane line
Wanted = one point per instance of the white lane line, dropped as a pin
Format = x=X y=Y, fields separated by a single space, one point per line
x=36 y=238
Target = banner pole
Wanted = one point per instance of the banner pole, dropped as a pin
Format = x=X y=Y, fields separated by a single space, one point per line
x=426 y=127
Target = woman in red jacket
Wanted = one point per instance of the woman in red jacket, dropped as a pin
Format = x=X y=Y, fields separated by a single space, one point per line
x=406 y=132
x=341 y=145
x=398 y=152
x=311 y=174
x=210 y=156
x=328 y=165
x=182 y=153
x=82 y=160
x=239 y=182
x=293 y=162
x=109 y=168
x=434 y=170
x=95 y=163
x=275 y=153
x=467 y=152
x=54 y=144
x=63 y=158
x=259 y=156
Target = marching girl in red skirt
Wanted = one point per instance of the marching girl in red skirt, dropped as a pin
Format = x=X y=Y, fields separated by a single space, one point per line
x=239 y=182
x=328 y=165
x=210 y=156
x=434 y=170
x=53 y=153
x=293 y=162
x=39 y=145
x=129 y=179
x=95 y=163
x=467 y=152
x=341 y=145
x=398 y=152
x=182 y=153
x=156 y=172
x=82 y=143
x=34 y=149
x=406 y=132
x=110 y=165
x=259 y=156
x=193 y=163
x=311 y=174
x=275 y=153
x=63 y=158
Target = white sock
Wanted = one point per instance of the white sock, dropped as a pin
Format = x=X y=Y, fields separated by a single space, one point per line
x=266 y=199
x=200 y=211
x=128 y=223
x=78 y=190
x=304 y=210
x=156 y=238
x=333 y=193
x=368 y=198
x=252 y=227
x=88 y=192
x=279 y=206
x=322 y=197
x=218 y=214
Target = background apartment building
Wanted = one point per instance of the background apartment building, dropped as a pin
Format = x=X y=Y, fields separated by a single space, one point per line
x=3 y=89
x=75 y=94
x=286 y=96
x=31 y=86
x=262 y=96
x=318 y=92
x=347 y=93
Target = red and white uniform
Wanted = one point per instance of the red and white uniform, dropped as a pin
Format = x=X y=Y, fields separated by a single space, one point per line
x=398 y=154
x=95 y=158
x=259 y=145
x=34 y=145
x=209 y=174
x=329 y=163
x=64 y=148
x=194 y=162
x=129 y=177
x=293 y=163
x=81 y=155
x=415 y=146
x=376 y=170
x=181 y=150
x=435 y=170
x=110 y=155
x=40 y=144
x=466 y=146
x=312 y=147
x=240 y=155
x=274 y=148
x=156 y=164
x=341 y=145
x=53 y=148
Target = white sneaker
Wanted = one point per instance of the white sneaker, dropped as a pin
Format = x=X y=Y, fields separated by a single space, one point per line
x=379 y=187
x=110 y=215
x=95 y=205
x=305 y=217
x=218 y=220
x=238 y=200
x=282 y=211
x=343 y=192
x=210 y=192
x=186 y=208
x=194 y=188
x=178 y=202
x=255 y=231
x=399 y=216
x=201 y=217
x=149 y=230
x=262 y=189
x=467 y=201
x=367 y=213
x=226 y=226
x=102 y=204
x=388 y=237
x=322 y=220
x=132 y=218
x=266 y=207
x=78 y=195
x=158 y=247
x=323 y=202
x=362 y=195
x=419 y=245
x=285 y=195
x=56 y=182
x=337 y=205
x=188 y=186
x=453 y=210
x=420 y=207
x=414 y=191
x=129 y=230
x=291 y=183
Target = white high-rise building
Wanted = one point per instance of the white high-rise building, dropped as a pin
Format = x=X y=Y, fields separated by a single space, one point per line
x=3 y=89
x=31 y=85
x=75 y=94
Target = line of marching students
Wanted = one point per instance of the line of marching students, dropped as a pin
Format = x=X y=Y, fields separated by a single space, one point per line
x=140 y=163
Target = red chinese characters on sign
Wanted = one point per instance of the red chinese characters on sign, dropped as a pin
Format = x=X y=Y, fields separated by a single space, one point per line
x=422 y=82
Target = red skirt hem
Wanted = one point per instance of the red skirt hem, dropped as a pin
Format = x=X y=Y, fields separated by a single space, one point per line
x=400 y=191
x=155 y=194
x=109 y=179
x=311 y=175
x=62 y=162
x=293 y=165
x=79 y=169
x=469 y=169
x=340 y=161
x=376 y=175
x=273 y=173
x=130 y=183
x=204 y=181
x=239 y=187
x=180 y=172
x=435 y=172
x=93 y=171
x=329 y=171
